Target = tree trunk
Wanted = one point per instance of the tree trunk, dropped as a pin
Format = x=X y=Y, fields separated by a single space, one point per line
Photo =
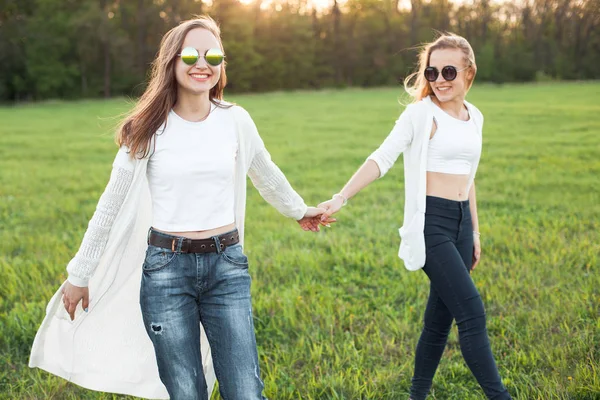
x=257 y=15
x=337 y=42
x=415 y=5
x=105 y=39
x=106 y=69
x=485 y=20
x=141 y=38
x=84 y=84
x=315 y=24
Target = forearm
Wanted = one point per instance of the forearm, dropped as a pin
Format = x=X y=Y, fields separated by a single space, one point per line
x=473 y=207
x=366 y=174
x=83 y=265
x=274 y=187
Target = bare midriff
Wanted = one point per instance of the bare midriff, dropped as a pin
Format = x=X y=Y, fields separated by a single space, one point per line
x=447 y=186
x=202 y=234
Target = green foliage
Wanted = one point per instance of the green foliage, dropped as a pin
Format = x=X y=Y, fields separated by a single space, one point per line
x=337 y=315
x=93 y=48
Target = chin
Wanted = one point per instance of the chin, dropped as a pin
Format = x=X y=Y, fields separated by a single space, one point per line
x=444 y=97
x=199 y=89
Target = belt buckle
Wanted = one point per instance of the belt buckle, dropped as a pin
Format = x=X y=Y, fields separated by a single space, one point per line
x=173 y=245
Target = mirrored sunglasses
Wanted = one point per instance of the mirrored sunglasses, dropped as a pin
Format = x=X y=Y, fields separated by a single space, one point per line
x=190 y=56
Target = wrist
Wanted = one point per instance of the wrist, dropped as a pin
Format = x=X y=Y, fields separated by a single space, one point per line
x=341 y=196
x=77 y=281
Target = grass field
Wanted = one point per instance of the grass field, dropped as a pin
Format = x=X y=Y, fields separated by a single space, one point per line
x=337 y=315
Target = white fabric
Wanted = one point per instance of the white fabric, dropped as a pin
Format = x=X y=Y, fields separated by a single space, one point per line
x=185 y=154
x=99 y=226
x=107 y=348
x=455 y=146
x=410 y=136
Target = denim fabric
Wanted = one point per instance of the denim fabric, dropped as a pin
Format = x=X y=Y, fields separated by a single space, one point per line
x=181 y=290
x=453 y=296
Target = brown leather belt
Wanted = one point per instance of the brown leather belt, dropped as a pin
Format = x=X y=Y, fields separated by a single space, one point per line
x=194 y=245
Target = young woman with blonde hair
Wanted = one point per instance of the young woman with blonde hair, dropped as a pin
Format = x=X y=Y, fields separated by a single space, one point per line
x=440 y=136
x=181 y=169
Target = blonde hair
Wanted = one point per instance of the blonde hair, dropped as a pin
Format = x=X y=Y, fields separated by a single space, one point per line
x=421 y=88
x=153 y=107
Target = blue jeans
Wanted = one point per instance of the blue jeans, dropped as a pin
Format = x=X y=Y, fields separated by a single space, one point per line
x=453 y=296
x=181 y=290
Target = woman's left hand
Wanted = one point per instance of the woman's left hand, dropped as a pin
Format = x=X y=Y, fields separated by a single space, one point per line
x=476 y=251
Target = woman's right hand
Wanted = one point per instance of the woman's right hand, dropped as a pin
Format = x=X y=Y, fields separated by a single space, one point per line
x=72 y=295
x=331 y=207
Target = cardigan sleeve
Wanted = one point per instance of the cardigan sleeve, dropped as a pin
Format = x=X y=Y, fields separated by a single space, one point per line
x=274 y=187
x=396 y=142
x=266 y=176
x=83 y=265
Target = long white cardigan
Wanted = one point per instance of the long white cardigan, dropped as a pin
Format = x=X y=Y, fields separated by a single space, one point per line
x=107 y=348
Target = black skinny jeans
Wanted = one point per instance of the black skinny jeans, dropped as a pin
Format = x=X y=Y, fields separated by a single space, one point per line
x=453 y=296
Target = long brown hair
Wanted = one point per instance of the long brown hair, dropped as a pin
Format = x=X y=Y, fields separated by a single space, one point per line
x=153 y=107
x=421 y=87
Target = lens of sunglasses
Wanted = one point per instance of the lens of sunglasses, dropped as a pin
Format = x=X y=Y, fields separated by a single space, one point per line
x=431 y=74
x=189 y=55
x=214 y=57
x=449 y=73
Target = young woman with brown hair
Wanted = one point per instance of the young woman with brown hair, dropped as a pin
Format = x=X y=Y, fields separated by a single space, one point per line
x=181 y=169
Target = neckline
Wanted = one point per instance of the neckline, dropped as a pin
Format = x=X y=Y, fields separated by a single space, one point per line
x=451 y=116
x=193 y=123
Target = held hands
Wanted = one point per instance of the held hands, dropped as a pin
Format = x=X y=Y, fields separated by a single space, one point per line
x=313 y=218
x=331 y=206
x=321 y=215
x=72 y=295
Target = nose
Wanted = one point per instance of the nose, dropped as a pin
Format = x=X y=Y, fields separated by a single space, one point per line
x=440 y=78
x=201 y=63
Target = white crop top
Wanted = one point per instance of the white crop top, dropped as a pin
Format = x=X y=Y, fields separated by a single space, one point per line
x=191 y=173
x=455 y=146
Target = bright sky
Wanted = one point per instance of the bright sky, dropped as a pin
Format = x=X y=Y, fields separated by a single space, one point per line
x=320 y=4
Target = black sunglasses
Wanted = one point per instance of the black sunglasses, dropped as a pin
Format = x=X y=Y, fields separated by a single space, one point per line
x=190 y=56
x=449 y=73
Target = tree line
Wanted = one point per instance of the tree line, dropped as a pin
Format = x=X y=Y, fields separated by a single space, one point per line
x=103 y=48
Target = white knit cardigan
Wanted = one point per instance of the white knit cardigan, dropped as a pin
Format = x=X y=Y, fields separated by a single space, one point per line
x=107 y=348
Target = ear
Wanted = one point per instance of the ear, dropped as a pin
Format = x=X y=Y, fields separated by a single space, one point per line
x=471 y=72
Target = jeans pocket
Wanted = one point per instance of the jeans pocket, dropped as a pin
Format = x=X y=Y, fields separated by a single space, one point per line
x=235 y=256
x=157 y=258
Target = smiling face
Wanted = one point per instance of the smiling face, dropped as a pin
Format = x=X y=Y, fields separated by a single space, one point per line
x=450 y=90
x=200 y=77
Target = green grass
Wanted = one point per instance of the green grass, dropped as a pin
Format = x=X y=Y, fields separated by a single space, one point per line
x=337 y=315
